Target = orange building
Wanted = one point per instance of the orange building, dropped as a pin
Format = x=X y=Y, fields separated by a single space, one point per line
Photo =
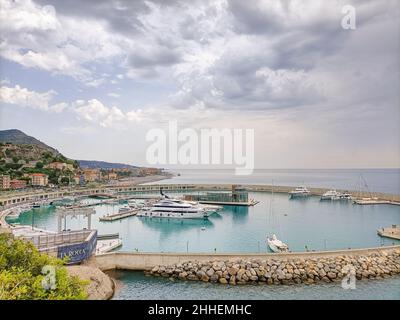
x=92 y=175
x=60 y=166
x=5 y=182
x=39 y=179
x=17 y=184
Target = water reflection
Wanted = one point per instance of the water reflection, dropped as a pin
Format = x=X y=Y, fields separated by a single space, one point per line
x=239 y=214
x=169 y=226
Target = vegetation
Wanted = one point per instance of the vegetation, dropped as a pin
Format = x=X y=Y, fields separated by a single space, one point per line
x=21 y=277
x=15 y=161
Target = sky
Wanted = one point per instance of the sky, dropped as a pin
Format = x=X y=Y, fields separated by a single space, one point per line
x=92 y=77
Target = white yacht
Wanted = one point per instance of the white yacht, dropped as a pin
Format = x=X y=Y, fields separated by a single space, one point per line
x=345 y=196
x=299 y=192
x=331 y=195
x=174 y=208
x=277 y=245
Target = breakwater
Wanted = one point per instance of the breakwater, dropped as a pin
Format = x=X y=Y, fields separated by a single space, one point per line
x=284 y=271
x=16 y=198
x=280 y=268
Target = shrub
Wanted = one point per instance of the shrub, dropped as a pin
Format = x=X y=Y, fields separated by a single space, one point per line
x=21 y=277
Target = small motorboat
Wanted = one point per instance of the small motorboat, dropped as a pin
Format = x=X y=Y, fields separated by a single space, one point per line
x=346 y=196
x=126 y=209
x=277 y=245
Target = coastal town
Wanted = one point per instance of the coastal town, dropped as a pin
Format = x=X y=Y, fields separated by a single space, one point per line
x=20 y=170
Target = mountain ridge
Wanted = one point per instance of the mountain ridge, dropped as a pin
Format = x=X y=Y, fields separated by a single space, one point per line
x=18 y=137
x=96 y=164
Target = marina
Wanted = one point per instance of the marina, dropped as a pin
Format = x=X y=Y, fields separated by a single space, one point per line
x=278 y=224
x=304 y=224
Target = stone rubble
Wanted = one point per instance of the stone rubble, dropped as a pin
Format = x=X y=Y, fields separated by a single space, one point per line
x=289 y=271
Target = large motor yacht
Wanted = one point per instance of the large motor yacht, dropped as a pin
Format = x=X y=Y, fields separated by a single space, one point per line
x=174 y=208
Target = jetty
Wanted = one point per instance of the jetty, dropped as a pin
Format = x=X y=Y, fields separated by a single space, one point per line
x=118 y=215
x=104 y=246
x=392 y=232
x=375 y=201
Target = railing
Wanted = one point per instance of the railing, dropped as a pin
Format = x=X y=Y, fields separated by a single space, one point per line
x=53 y=240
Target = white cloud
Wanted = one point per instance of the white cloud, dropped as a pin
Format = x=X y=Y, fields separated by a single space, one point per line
x=37 y=37
x=26 y=98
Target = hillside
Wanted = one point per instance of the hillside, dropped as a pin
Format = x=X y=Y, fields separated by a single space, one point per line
x=93 y=164
x=18 y=137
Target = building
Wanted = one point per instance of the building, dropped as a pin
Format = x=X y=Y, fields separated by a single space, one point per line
x=39 y=179
x=60 y=166
x=17 y=184
x=111 y=175
x=92 y=175
x=5 y=182
x=149 y=171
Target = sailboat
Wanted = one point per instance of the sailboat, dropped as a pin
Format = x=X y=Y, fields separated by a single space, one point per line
x=273 y=242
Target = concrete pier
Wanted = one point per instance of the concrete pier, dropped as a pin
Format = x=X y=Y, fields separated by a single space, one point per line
x=390 y=232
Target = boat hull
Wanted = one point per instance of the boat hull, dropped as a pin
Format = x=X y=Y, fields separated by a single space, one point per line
x=172 y=215
x=299 y=195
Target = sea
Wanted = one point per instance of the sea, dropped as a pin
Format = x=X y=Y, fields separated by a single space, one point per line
x=369 y=180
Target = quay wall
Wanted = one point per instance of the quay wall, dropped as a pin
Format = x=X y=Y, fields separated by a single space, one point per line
x=148 y=260
x=9 y=199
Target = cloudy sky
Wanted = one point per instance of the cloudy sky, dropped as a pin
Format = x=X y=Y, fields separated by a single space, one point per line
x=92 y=77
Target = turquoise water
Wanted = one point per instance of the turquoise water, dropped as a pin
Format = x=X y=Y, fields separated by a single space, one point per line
x=137 y=286
x=301 y=222
x=373 y=180
x=319 y=225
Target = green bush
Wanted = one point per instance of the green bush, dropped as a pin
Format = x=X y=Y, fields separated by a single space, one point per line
x=21 y=276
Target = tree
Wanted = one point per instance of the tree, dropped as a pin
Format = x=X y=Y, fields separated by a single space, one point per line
x=21 y=276
x=64 y=181
x=39 y=165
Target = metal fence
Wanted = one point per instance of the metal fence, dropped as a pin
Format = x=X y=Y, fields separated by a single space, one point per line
x=54 y=240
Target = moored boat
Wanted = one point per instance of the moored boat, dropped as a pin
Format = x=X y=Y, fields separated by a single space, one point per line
x=299 y=192
x=174 y=208
x=277 y=245
x=346 y=196
x=331 y=195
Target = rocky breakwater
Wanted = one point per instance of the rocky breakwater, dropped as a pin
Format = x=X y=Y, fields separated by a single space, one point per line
x=289 y=271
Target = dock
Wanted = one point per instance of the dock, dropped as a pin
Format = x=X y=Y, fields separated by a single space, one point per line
x=118 y=216
x=375 y=201
x=392 y=232
x=104 y=246
x=230 y=203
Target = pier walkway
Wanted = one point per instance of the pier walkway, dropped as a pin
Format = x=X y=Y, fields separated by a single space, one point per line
x=147 y=260
x=391 y=232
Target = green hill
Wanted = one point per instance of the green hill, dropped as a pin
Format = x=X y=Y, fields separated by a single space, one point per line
x=18 y=137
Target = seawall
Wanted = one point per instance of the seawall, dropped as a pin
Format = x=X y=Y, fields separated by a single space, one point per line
x=288 y=268
x=148 y=260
